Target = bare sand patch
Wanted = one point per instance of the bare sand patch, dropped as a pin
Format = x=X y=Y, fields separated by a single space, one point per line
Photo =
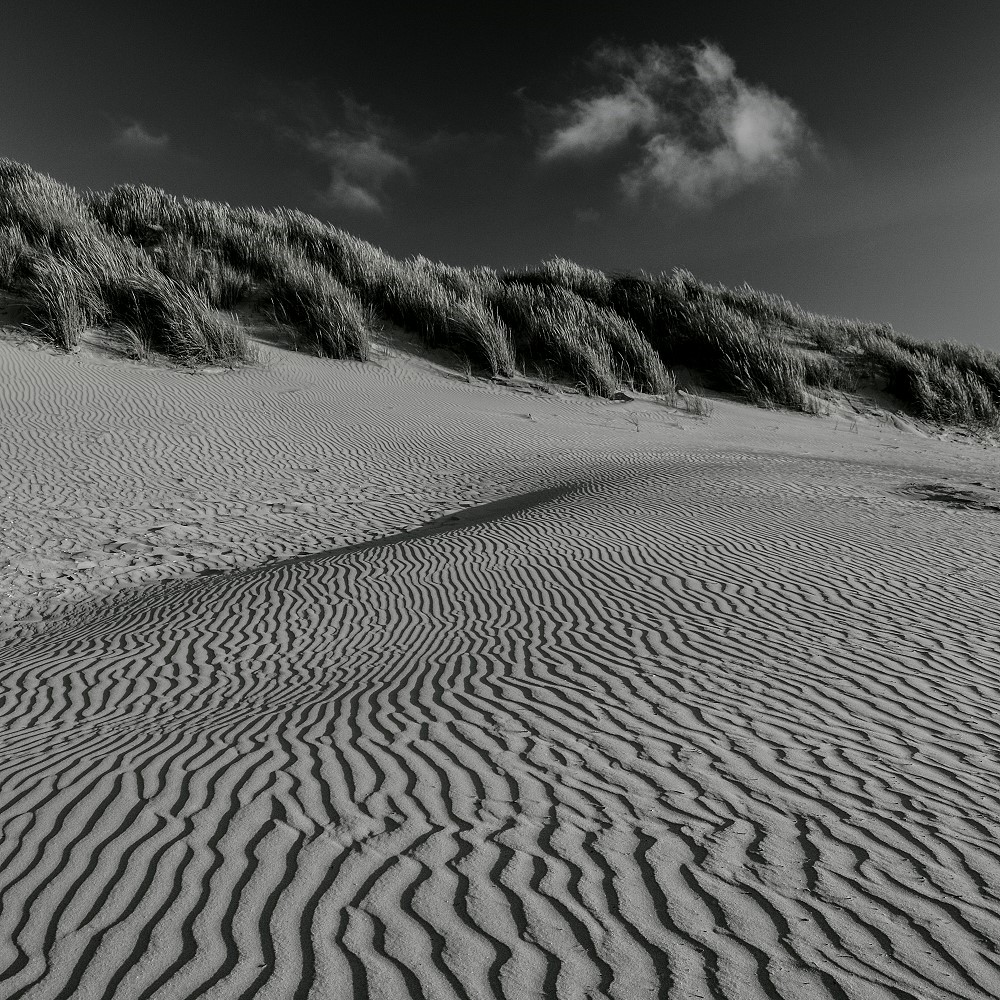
x=675 y=707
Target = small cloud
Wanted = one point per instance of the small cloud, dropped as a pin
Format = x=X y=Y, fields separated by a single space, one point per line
x=136 y=138
x=342 y=192
x=595 y=123
x=696 y=131
x=360 y=164
x=586 y=216
x=711 y=65
x=357 y=152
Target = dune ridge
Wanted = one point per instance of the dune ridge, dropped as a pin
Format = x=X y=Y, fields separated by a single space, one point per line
x=152 y=271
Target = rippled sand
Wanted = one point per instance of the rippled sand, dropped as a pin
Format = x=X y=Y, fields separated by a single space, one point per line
x=498 y=695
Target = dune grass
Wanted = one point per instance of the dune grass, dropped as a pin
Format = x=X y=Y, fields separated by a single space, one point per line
x=57 y=296
x=313 y=302
x=594 y=345
x=74 y=272
x=946 y=384
x=156 y=271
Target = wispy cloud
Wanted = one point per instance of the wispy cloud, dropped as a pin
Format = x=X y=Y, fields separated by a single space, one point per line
x=358 y=152
x=696 y=131
x=136 y=138
x=595 y=123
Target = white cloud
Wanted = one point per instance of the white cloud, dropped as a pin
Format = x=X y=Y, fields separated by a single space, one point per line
x=342 y=192
x=359 y=167
x=357 y=154
x=697 y=132
x=595 y=123
x=136 y=138
x=711 y=65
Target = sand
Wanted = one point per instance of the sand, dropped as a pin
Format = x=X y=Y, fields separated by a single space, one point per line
x=341 y=680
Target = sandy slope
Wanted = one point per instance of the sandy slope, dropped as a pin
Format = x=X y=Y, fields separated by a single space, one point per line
x=704 y=709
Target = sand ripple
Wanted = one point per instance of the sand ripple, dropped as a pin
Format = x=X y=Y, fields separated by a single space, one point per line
x=698 y=726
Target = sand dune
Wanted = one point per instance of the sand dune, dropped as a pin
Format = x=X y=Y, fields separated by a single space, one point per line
x=634 y=714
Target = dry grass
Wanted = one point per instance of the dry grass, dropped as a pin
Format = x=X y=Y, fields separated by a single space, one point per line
x=74 y=272
x=309 y=298
x=55 y=294
x=935 y=382
x=139 y=259
x=697 y=403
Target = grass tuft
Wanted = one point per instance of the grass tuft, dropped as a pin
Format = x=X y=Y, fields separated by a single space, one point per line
x=765 y=372
x=940 y=385
x=309 y=298
x=56 y=294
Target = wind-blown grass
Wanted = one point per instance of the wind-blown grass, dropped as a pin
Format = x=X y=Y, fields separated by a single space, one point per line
x=56 y=295
x=218 y=282
x=687 y=327
x=155 y=270
x=596 y=346
x=943 y=385
x=309 y=298
x=767 y=373
x=13 y=247
x=72 y=272
x=554 y=330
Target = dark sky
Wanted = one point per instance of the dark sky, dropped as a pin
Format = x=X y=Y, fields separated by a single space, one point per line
x=843 y=154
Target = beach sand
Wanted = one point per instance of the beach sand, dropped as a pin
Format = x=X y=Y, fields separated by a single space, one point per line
x=328 y=679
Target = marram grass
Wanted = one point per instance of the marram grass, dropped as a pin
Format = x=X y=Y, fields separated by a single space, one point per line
x=157 y=273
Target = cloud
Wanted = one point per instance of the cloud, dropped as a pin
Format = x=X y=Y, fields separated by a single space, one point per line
x=357 y=152
x=594 y=123
x=360 y=165
x=136 y=138
x=695 y=131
